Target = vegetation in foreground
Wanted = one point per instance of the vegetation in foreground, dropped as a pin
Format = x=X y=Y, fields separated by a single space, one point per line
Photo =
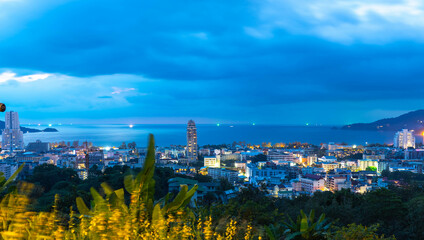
x=132 y=212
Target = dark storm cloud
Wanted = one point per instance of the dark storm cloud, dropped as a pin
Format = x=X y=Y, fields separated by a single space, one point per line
x=220 y=54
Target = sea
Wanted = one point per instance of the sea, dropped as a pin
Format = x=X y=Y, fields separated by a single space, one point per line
x=175 y=134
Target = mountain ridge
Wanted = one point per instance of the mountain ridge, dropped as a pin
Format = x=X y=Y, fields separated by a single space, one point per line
x=413 y=120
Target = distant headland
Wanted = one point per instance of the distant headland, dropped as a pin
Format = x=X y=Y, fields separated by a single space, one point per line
x=413 y=121
x=29 y=130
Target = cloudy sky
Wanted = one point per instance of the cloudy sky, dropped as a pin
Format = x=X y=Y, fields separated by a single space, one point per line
x=234 y=61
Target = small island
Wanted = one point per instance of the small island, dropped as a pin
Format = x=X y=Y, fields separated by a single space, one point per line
x=50 y=130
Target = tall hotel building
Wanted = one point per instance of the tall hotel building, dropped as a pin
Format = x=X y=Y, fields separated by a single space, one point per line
x=12 y=136
x=191 y=141
x=404 y=139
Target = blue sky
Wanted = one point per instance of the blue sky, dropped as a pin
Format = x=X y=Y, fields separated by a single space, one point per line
x=228 y=61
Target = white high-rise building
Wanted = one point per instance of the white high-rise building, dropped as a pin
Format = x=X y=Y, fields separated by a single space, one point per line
x=191 y=141
x=12 y=136
x=404 y=139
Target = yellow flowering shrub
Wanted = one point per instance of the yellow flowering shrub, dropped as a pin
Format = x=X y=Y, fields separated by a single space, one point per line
x=109 y=217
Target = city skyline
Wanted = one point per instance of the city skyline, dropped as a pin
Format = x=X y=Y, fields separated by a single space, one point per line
x=211 y=119
x=268 y=62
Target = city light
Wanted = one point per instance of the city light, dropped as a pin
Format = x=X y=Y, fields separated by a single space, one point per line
x=351 y=69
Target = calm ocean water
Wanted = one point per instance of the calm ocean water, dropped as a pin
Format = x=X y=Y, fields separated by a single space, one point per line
x=165 y=135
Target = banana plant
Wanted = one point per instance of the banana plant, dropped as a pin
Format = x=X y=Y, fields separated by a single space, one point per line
x=114 y=199
x=142 y=189
x=274 y=231
x=306 y=227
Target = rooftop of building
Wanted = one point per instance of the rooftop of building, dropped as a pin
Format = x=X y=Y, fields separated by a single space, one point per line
x=312 y=176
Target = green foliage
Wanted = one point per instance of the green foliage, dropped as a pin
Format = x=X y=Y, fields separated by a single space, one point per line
x=142 y=190
x=306 y=227
x=398 y=211
x=69 y=188
x=225 y=185
x=109 y=217
x=371 y=168
x=47 y=175
x=406 y=176
x=197 y=177
x=275 y=231
x=357 y=232
x=383 y=206
x=161 y=177
x=414 y=217
x=251 y=205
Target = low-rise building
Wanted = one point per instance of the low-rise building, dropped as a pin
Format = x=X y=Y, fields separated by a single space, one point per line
x=281 y=156
x=38 y=147
x=328 y=166
x=218 y=173
x=212 y=161
x=364 y=164
x=240 y=165
x=312 y=183
x=8 y=169
x=329 y=159
x=338 y=183
x=253 y=172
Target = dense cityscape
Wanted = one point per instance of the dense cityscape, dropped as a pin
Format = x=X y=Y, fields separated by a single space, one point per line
x=211 y=120
x=281 y=169
x=222 y=175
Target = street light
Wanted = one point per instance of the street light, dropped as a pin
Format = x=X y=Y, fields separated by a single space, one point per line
x=2 y=107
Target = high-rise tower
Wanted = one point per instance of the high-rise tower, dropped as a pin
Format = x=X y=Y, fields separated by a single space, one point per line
x=12 y=136
x=191 y=141
x=404 y=139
